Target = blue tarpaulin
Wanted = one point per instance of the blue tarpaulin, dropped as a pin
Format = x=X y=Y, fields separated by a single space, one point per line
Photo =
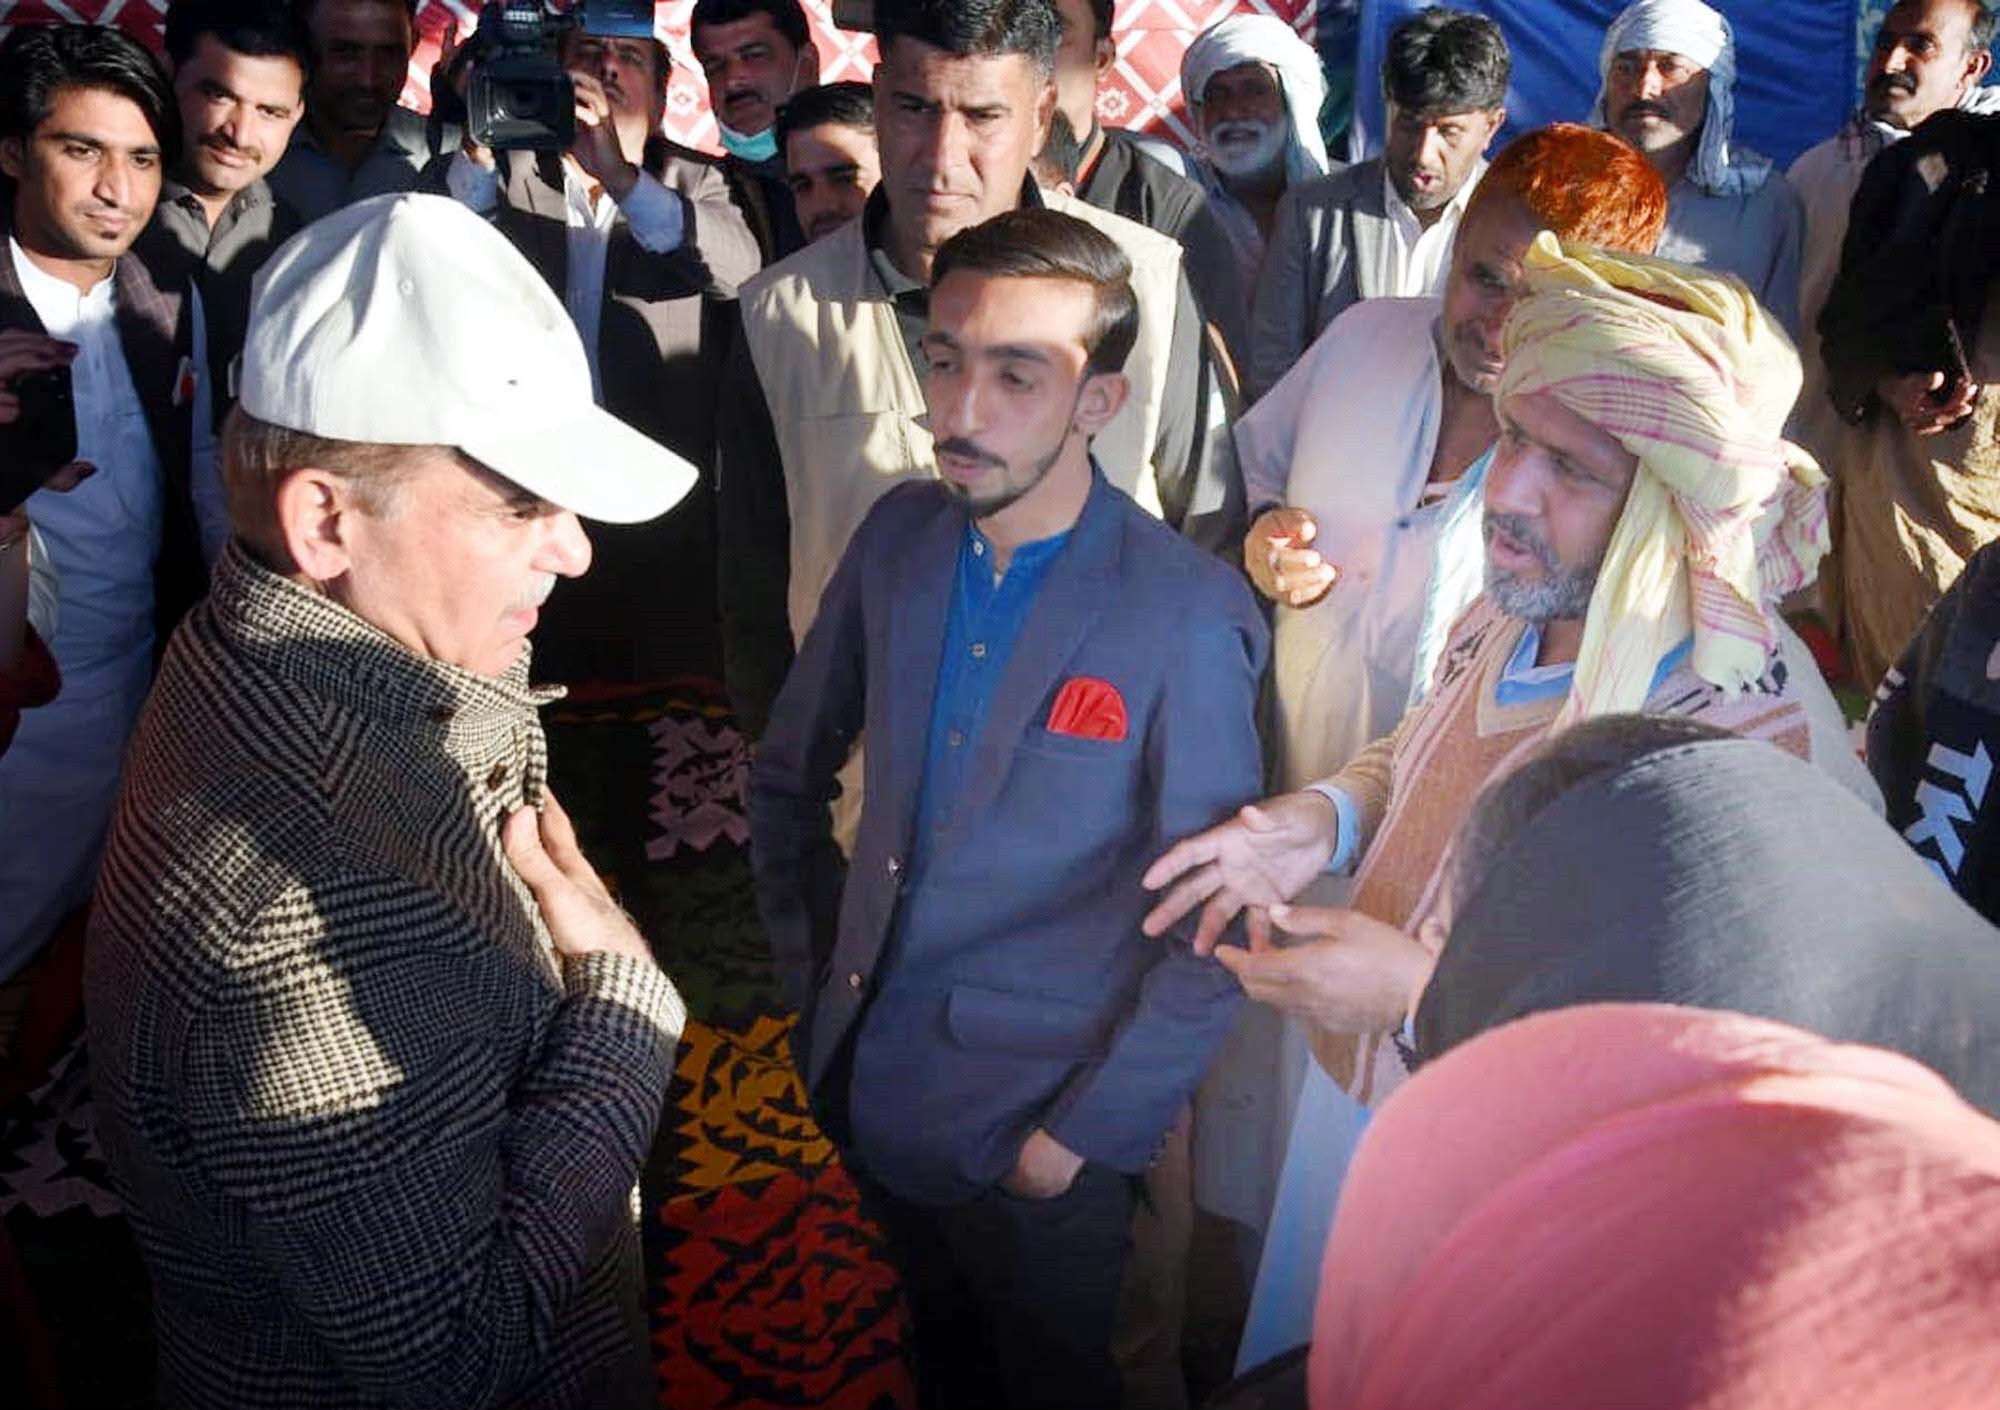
x=1795 y=62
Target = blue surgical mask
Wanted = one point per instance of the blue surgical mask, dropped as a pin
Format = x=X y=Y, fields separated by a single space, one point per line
x=759 y=148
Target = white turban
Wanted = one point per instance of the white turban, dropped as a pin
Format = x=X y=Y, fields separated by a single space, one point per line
x=1702 y=37
x=1261 y=39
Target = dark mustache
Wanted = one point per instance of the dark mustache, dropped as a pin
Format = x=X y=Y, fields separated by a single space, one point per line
x=1901 y=81
x=1642 y=105
x=967 y=450
x=223 y=144
x=1522 y=531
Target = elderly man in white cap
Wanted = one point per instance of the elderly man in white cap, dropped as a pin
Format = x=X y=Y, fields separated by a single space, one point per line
x=377 y=1058
x=1254 y=90
x=1669 y=88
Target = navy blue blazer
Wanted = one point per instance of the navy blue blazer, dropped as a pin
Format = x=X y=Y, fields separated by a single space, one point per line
x=1020 y=992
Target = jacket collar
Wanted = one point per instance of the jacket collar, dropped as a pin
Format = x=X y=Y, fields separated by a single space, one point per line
x=332 y=655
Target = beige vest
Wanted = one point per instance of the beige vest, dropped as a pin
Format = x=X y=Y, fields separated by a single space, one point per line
x=848 y=407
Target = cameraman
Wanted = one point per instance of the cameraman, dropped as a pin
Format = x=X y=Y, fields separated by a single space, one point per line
x=650 y=242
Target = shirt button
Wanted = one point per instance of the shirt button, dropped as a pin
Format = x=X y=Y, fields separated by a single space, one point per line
x=855 y=981
x=979 y=651
x=895 y=866
x=497 y=777
x=954 y=739
x=978 y=549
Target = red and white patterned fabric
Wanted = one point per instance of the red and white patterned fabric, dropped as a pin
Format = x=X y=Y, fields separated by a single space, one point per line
x=1144 y=90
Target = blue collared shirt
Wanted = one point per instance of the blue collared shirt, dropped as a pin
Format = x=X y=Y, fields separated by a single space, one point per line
x=980 y=629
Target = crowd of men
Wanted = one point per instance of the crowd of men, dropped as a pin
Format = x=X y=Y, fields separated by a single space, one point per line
x=1220 y=631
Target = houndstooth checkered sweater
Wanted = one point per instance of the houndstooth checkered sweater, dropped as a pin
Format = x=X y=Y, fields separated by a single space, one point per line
x=377 y=1145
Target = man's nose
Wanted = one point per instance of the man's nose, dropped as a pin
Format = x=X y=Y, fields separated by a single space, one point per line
x=1898 y=60
x=1431 y=149
x=1652 y=82
x=566 y=552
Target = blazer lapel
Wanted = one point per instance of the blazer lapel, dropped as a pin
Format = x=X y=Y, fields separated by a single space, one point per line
x=920 y=589
x=1367 y=229
x=1081 y=580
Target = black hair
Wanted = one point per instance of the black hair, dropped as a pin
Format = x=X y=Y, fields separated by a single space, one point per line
x=987 y=28
x=1102 y=13
x=847 y=104
x=306 y=7
x=1446 y=61
x=1061 y=157
x=263 y=29
x=788 y=15
x=1038 y=243
x=39 y=61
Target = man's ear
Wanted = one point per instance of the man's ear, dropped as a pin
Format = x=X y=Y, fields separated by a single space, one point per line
x=1498 y=117
x=808 y=67
x=1102 y=398
x=1976 y=71
x=1103 y=57
x=13 y=157
x=315 y=513
x=1045 y=113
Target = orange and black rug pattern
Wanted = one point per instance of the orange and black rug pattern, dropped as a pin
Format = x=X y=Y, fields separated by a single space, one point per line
x=767 y=1286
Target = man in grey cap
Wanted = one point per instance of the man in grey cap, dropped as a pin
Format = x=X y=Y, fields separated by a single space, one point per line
x=377 y=1058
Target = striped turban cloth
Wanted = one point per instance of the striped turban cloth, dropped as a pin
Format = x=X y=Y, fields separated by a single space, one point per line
x=1724 y=516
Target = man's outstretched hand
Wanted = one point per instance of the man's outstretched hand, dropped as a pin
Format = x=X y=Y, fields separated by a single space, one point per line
x=1264 y=856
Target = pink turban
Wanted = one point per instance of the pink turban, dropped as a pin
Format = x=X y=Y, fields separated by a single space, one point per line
x=1655 y=1208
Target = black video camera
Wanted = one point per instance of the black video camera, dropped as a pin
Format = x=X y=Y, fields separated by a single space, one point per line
x=520 y=99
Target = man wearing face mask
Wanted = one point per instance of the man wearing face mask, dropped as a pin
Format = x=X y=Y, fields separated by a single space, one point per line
x=356 y=141
x=1383 y=228
x=1254 y=90
x=1669 y=88
x=641 y=240
x=756 y=54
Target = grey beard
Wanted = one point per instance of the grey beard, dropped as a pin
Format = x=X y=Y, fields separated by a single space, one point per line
x=1560 y=594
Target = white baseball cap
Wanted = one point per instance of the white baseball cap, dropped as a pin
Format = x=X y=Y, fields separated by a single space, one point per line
x=408 y=320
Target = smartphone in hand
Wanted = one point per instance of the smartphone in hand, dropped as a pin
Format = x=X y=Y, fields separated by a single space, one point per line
x=39 y=441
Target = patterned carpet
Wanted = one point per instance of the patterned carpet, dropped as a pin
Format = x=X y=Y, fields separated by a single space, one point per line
x=767 y=1288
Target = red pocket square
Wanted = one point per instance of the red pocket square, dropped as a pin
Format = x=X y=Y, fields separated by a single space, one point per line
x=1088 y=708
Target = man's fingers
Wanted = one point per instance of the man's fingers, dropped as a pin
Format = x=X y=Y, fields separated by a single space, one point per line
x=1215 y=917
x=559 y=838
x=1261 y=979
x=1183 y=856
x=1190 y=892
x=1257 y=925
x=70 y=476
x=521 y=839
x=1309 y=920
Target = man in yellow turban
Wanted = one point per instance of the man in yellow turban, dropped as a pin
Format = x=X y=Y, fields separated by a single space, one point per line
x=1643 y=516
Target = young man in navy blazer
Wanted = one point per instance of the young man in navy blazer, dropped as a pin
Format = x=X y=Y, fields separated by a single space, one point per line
x=1053 y=685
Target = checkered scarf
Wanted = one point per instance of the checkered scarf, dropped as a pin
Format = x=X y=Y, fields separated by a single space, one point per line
x=1724 y=516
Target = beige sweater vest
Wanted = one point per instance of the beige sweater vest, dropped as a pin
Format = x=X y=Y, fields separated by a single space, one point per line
x=848 y=407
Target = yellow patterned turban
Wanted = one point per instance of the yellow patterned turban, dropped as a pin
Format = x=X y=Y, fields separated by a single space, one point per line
x=1725 y=516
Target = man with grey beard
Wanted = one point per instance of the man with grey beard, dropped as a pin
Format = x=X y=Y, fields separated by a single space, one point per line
x=1254 y=90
